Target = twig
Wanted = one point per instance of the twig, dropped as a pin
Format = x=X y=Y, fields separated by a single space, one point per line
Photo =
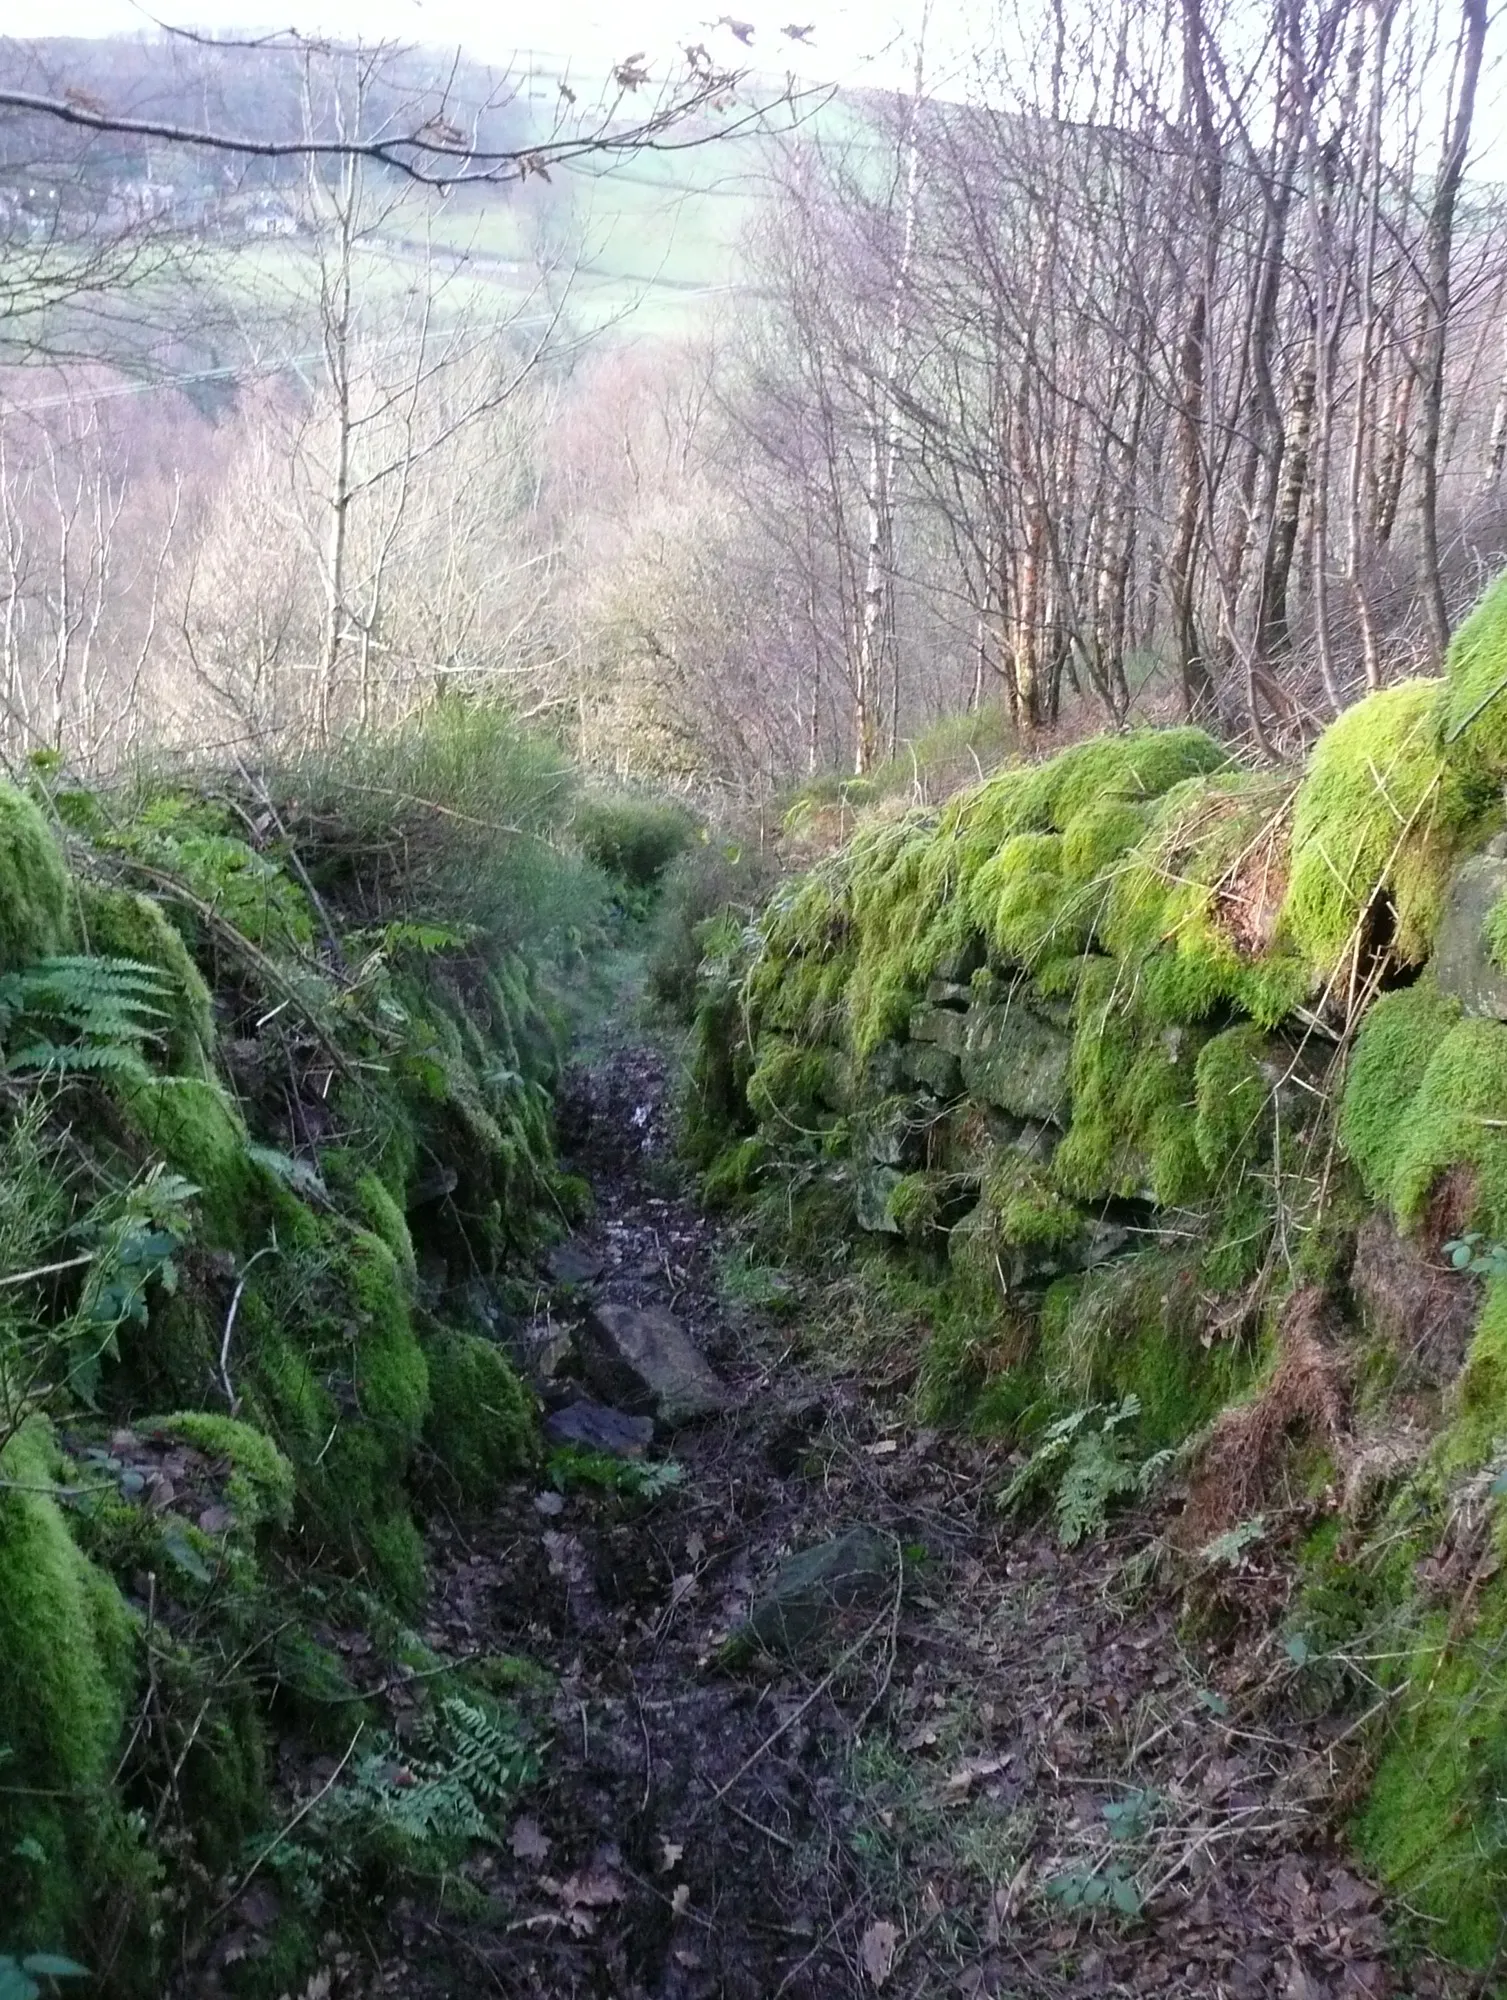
x=894 y=1639
x=236 y=1296
x=297 y=1820
x=794 y=1717
x=48 y=1270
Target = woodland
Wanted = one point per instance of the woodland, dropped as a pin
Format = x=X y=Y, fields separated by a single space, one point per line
x=753 y=1015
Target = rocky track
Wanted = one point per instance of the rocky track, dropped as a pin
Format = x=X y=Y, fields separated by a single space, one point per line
x=984 y=1767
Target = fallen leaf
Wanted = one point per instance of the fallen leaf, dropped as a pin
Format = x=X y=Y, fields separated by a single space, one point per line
x=549 y=1503
x=593 y=1887
x=670 y=1852
x=528 y=1842
x=877 y=1951
x=680 y=1902
x=215 y=1520
x=695 y=1546
x=883 y=1448
x=961 y=1781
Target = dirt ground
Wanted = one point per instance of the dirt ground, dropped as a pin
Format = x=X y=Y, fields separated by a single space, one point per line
x=1013 y=1778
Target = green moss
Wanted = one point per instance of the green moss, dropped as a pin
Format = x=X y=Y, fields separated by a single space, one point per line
x=1433 y=1826
x=36 y=892
x=116 y=923
x=788 y=1085
x=396 y=1550
x=261 y=1482
x=1470 y=711
x=1215 y=847
x=390 y=1374
x=482 y=1422
x=1397 y=1039
x=1134 y=1328
x=915 y=1205
x=1454 y=1120
x=1234 y=1101
x=1478 y=1417
x=68 y=1643
x=385 y=1218
x=1134 y=1125
x=734 y=1173
x=1380 y=812
x=193 y=1125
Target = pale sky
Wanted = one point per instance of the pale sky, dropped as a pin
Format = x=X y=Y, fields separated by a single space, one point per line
x=852 y=43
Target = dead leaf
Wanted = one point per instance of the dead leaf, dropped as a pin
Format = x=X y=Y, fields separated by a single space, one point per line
x=695 y=1546
x=962 y=1780
x=670 y=1852
x=878 y=1951
x=215 y=1520
x=883 y=1448
x=680 y=1902
x=528 y=1842
x=593 y=1887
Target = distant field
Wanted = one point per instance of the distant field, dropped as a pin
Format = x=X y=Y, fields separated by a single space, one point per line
x=649 y=245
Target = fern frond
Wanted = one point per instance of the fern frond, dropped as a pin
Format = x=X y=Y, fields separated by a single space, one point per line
x=92 y=1058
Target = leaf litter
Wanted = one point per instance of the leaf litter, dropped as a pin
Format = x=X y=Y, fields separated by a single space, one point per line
x=1021 y=1784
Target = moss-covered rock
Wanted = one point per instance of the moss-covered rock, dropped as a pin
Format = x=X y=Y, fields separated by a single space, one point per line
x=481 y=1426
x=69 y=1646
x=36 y=891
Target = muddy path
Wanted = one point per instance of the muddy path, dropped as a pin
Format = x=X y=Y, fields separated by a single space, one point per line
x=1009 y=1776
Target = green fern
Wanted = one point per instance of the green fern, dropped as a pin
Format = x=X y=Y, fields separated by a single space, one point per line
x=1090 y=1463
x=416 y=1812
x=94 y=1015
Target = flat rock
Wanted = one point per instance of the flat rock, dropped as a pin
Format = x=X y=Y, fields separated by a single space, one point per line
x=1462 y=961
x=643 y=1359
x=872 y=1188
x=598 y=1427
x=812 y=1592
x=1018 y=1060
x=935 y=1069
x=573 y=1264
x=944 y=1027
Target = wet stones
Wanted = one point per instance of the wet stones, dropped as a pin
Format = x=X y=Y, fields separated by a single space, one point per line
x=596 y=1427
x=1463 y=964
x=1017 y=1060
x=641 y=1359
x=815 y=1592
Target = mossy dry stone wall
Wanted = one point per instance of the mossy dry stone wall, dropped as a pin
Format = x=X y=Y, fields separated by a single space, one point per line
x=1145 y=1073
x=265 y=1154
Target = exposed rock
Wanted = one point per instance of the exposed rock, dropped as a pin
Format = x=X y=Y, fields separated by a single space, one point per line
x=1018 y=1060
x=642 y=1358
x=1462 y=961
x=873 y=1187
x=543 y=1350
x=883 y=1070
x=892 y=1133
x=571 y=1263
x=945 y=1026
x=972 y=1136
x=598 y=1428
x=958 y=967
x=934 y=1069
x=949 y=993
x=812 y=1591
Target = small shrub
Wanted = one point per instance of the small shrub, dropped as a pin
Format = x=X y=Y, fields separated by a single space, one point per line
x=702 y=884
x=631 y=837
